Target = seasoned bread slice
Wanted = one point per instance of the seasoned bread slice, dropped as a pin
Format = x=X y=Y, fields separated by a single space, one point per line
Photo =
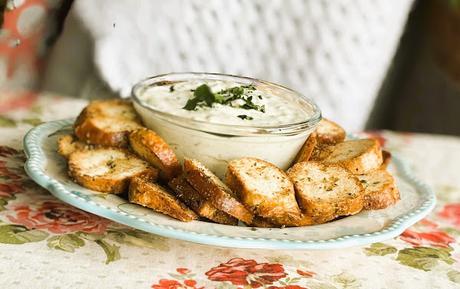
x=214 y=190
x=263 y=223
x=107 y=122
x=379 y=190
x=68 y=143
x=265 y=189
x=386 y=157
x=329 y=132
x=107 y=170
x=145 y=193
x=321 y=152
x=326 y=135
x=187 y=194
x=307 y=149
x=151 y=147
x=359 y=156
x=326 y=192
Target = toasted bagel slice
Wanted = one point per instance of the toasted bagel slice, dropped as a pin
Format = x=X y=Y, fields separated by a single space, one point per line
x=307 y=149
x=379 y=190
x=145 y=193
x=107 y=123
x=151 y=147
x=329 y=132
x=187 y=194
x=107 y=170
x=359 y=156
x=265 y=189
x=214 y=190
x=326 y=192
x=67 y=144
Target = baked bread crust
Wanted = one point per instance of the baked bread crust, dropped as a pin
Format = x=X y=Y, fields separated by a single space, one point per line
x=145 y=193
x=187 y=194
x=107 y=123
x=214 y=190
x=326 y=192
x=265 y=189
x=107 y=170
x=151 y=147
x=359 y=156
x=380 y=190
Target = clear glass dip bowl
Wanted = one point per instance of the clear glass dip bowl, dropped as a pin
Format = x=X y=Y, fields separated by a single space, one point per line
x=215 y=144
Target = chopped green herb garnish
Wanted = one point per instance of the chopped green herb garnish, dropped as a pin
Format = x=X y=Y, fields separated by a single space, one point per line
x=191 y=104
x=171 y=88
x=249 y=87
x=250 y=105
x=247 y=117
x=203 y=96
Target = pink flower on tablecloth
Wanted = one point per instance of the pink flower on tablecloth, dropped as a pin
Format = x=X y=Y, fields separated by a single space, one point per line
x=428 y=223
x=239 y=271
x=9 y=190
x=168 y=284
x=182 y=271
x=18 y=100
x=173 y=284
x=11 y=172
x=435 y=238
x=451 y=213
x=58 y=218
x=287 y=287
x=305 y=273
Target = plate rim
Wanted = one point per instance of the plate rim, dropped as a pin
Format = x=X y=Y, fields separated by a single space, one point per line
x=34 y=168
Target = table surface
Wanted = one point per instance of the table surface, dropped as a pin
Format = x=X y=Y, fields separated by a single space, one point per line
x=45 y=243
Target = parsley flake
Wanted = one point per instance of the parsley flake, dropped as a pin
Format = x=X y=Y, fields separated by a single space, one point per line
x=247 y=117
x=201 y=94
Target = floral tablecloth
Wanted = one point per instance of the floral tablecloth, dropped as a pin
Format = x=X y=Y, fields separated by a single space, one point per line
x=45 y=243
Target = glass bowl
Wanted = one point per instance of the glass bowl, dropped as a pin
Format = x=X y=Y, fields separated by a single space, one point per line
x=215 y=144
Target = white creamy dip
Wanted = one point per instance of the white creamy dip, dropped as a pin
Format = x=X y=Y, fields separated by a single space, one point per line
x=172 y=98
x=215 y=133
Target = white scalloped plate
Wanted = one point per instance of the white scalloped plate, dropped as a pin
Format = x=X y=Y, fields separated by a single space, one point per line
x=48 y=169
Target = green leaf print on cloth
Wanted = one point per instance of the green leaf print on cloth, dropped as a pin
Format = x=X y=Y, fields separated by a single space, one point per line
x=111 y=251
x=7 y=122
x=347 y=281
x=67 y=242
x=138 y=238
x=16 y=234
x=380 y=249
x=424 y=258
x=454 y=276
